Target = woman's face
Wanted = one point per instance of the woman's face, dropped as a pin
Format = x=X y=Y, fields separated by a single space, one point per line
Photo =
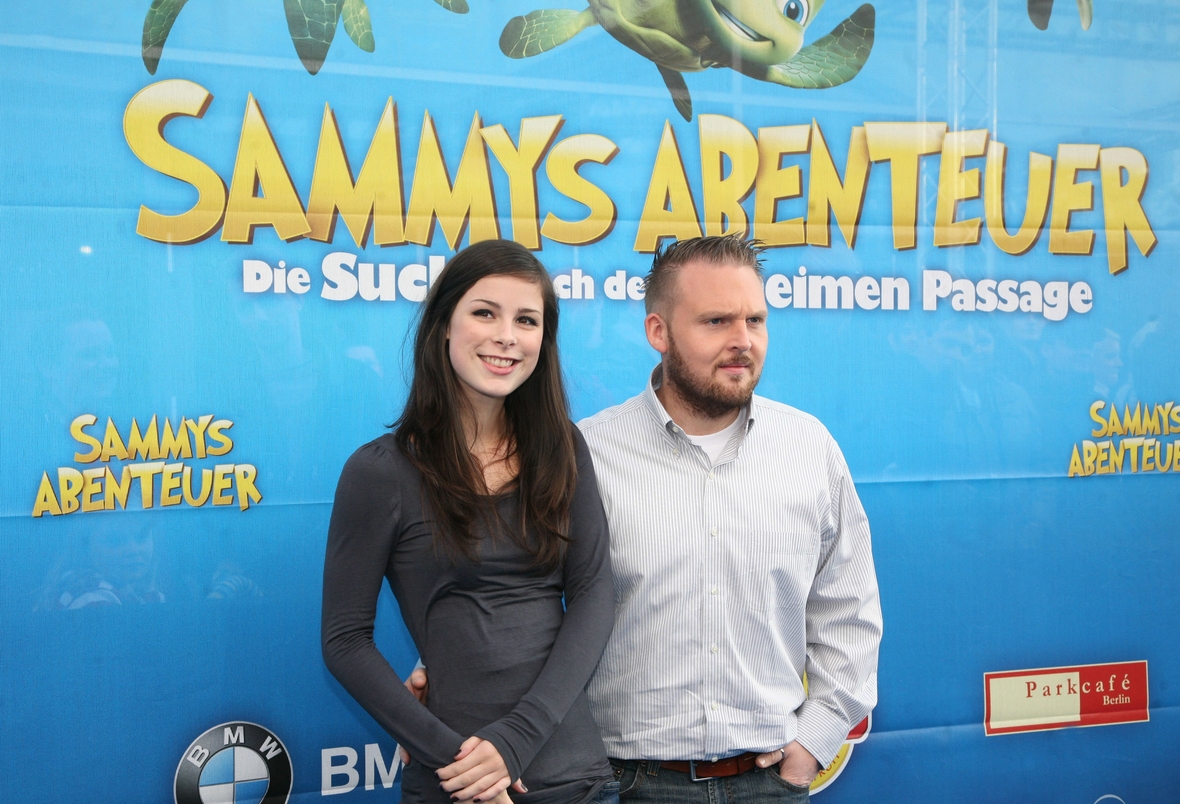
x=495 y=336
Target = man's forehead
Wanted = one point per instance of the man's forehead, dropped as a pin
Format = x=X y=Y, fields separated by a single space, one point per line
x=701 y=283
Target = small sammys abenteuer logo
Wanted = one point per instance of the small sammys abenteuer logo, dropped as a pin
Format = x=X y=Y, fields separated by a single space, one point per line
x=234 y=763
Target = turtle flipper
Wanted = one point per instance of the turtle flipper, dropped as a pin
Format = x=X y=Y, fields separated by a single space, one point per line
x=156 y=26
x=312 y=24
x=675 y=83
x=833 y=59
x=458 y=6
x=542 y=30
x=355 y=15
x=1039 y=11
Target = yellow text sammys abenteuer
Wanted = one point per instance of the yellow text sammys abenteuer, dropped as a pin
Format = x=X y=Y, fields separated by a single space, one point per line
x=161 y=452
x=734 y=162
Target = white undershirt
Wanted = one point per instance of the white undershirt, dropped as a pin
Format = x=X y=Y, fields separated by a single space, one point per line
x=714 y=443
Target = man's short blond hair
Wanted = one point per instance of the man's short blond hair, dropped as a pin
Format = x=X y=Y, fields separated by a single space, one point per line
x=660 y=282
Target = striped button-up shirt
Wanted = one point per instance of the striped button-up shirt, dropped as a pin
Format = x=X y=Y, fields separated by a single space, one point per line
x=731 y=580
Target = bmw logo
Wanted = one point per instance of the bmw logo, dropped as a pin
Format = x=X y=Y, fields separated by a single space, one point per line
x=234 y=763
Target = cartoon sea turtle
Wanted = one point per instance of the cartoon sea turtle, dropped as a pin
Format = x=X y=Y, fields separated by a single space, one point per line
x=1039 y=11
x=759 y=38
x=312 y=24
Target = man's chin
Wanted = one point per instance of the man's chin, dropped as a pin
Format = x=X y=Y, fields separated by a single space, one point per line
x=738 y=388
x=732 y=395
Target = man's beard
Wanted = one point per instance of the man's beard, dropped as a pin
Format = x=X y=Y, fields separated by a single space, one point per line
x=707 y=396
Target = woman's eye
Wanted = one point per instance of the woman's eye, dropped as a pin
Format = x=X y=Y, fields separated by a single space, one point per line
x=796 y=10
x=483 y=313
x=524 y=319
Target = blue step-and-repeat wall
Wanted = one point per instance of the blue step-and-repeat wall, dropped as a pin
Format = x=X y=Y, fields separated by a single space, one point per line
x=218 y=221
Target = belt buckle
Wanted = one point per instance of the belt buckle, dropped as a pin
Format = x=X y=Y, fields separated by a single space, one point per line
x=692 y=772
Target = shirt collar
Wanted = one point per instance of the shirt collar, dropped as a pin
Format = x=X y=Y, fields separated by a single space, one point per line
x=661 y=415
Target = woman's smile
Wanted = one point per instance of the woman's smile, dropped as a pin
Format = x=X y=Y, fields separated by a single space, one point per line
x=499 y=365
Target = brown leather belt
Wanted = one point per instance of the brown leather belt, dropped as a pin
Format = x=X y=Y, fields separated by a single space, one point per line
x=699 y=771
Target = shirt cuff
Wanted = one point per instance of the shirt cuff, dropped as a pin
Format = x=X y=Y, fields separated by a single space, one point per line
x=821 y=731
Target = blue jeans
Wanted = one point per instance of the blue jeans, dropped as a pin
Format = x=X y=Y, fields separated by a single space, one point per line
x=642 y=781
x=608 y=794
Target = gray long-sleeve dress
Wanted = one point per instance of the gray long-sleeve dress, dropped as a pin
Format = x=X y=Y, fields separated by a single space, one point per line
x=506 y=663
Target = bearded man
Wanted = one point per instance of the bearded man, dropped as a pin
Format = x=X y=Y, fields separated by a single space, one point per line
x=741 y=556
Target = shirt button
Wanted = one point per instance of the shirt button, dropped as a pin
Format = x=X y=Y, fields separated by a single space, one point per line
x=713 y=591
x=714 y=650
x=713 y=532
x=710 y=475
x=713 y=705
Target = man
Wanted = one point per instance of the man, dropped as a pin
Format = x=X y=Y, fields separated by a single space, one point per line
x=741 y=557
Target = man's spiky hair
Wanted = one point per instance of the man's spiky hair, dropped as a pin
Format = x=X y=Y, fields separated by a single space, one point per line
x=660 y=282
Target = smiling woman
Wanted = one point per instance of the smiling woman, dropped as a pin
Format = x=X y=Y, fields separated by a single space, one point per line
x=483 y=513
x=494 y=339
x=487 y=402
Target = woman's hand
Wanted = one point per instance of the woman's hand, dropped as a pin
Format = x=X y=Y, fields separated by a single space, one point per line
x=478 y=774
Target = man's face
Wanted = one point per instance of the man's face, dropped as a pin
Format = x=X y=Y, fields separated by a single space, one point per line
x=713 y=336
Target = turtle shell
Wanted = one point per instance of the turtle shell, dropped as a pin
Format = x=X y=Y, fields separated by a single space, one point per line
x=655 y=30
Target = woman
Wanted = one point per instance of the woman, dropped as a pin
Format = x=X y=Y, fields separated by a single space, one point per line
x=482 y=511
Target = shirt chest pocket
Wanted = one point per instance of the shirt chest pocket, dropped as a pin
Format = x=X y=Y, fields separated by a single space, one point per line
x=779 y=567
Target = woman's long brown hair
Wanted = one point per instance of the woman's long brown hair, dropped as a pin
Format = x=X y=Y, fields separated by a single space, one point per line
x=540 y=435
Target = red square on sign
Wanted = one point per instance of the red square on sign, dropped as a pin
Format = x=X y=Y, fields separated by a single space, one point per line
x=1113 y=693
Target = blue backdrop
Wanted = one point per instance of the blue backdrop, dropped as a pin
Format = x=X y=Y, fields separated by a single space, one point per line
x=995 y=550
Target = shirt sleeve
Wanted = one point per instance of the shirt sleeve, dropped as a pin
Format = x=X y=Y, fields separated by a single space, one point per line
x=361 y=537
x=843 y=622
x=589 y=618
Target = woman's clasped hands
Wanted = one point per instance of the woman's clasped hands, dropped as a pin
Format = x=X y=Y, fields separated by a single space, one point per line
x=478 y=774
